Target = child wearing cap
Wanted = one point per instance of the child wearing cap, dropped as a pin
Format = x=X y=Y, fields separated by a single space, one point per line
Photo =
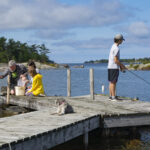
x=113 y=66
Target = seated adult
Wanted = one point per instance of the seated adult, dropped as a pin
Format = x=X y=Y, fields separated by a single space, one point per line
x=16 y=71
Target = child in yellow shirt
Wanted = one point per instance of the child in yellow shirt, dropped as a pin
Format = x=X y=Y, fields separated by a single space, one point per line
x=37 y=85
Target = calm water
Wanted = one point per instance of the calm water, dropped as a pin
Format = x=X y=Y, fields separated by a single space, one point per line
x=140 y=140
x=55 y=83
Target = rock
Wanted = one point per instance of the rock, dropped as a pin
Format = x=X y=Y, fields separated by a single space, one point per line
x=42 y=65
x=66 y=66
x=63 y=66
x=139 y=66
x=16 y=109
x=80 y=66
x=3 y=66
x=3 y=90
x=39 y=65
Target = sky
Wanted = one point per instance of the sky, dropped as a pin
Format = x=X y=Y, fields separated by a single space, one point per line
x=76 y=31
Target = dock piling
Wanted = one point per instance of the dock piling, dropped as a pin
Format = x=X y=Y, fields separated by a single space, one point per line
x=92 y=83
x=68 y=82
x=86 y=140
x=8 y=90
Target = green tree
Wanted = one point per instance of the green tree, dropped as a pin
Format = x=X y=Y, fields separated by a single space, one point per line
x=22 y=52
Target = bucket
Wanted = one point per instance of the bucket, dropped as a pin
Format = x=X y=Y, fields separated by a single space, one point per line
x=19 y=90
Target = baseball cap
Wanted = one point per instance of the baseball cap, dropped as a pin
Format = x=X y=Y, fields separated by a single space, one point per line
x=119 y=37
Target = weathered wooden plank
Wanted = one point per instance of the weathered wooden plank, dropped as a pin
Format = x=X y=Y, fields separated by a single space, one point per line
x=101 y=104
x=126 y=121
x=50 y=130
x=52 y=138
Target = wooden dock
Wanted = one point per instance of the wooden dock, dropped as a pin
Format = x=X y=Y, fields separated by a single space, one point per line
x=42 y=130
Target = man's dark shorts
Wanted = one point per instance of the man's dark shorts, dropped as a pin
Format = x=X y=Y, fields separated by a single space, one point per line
x=113 y=75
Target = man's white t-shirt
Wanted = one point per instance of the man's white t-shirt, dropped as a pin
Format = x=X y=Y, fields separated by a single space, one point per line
x=114 y=51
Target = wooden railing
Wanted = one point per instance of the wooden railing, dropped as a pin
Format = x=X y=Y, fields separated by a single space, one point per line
x=91 y=75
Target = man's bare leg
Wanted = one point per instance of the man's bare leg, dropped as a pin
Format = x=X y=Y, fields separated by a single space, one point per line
x=112 y=89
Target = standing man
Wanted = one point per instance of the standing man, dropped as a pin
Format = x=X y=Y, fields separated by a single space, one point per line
x=113 y=66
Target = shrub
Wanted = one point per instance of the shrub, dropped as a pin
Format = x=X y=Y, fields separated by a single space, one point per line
x=136 y=67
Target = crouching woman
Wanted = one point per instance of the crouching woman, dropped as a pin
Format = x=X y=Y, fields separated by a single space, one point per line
x=37 y=85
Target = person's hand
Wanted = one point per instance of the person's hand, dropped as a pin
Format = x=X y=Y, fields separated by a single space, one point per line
x=29 y=87
x=122 y=67
x=21 y=75
x=12 y=92
x=1 y=77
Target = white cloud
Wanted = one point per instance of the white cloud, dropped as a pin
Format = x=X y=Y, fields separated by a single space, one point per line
x=139 y=29
x=96 y=43
x=14 y=15
x=51 y=14
x=136 y=33
x=52 y=19
x=54 y=34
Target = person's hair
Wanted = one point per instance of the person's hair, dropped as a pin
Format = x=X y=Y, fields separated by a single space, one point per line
x=11 y=63
x=32 y=72
x=31 y=63
x=116 y=40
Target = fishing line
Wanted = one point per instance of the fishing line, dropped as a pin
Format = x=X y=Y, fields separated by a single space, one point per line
x=139 y=77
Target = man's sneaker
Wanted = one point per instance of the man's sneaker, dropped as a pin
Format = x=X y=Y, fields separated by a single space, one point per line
x=110 y=98
x=114 y=100
x=117 y=98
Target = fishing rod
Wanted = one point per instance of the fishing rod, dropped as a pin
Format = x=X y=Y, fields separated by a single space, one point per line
x=139 y=77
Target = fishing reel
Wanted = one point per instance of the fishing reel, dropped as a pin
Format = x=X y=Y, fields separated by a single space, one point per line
x=123 y=71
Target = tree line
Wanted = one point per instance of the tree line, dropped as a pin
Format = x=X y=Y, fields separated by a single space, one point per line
x=22 y=52
x=132 y=60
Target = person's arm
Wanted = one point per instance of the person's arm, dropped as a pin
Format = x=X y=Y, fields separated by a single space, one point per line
x=6 y=72
x=116 y=60
x=34 y=85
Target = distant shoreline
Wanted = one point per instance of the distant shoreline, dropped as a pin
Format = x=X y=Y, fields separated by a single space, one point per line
x=132 y=61
x=39 y=65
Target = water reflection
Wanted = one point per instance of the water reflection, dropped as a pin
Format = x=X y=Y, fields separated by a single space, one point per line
x=134 y=144
x=119 y=139
x=11 y=110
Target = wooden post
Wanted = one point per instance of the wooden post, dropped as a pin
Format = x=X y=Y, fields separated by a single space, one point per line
x=92 y=83
x=68 y=82
x=8 y=90
x=86 y=140
x=106 y=132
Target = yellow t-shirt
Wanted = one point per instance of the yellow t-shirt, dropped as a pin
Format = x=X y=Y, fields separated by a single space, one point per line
x=37 y=85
